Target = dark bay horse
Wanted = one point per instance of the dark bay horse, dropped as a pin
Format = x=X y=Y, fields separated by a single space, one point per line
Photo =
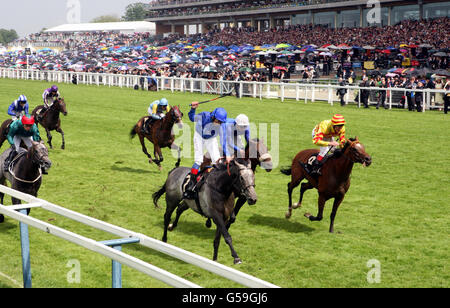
x=216 y=198
x=25 y=175
x=4 y=130
x=334 y=181
x=50 y=119
x=161 y=135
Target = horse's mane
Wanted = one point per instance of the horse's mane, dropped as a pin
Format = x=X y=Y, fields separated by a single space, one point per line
x=338 y=152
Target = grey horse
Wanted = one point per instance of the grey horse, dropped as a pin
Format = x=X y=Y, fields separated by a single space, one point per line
x=25 y=174
x=216 y=197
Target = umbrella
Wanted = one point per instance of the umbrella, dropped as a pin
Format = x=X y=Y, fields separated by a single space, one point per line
x=245 y=69
x=442 y=72
x=280 y=68
x=367 y=47
x=440 y=54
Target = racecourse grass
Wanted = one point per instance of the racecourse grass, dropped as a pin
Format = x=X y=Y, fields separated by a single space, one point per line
x=396 y=211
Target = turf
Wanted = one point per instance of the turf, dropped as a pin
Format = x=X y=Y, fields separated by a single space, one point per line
x=396 y=211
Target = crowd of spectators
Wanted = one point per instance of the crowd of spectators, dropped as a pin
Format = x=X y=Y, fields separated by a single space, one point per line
x=224 y=7
x=142 y=54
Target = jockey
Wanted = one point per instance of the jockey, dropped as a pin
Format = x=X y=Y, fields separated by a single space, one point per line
x=207 y=126
x=19 y=108
x=236 y=128
x=156 y=111
x=24 y=129
x=323 y=135
x=49 y=96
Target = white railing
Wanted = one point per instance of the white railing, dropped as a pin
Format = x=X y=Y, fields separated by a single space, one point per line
x=101 y=248
x=308 y=92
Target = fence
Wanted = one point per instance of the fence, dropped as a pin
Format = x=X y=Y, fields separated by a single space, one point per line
x=18 y=212
x=309 y=92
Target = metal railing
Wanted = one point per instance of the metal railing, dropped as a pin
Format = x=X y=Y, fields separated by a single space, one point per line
x=307 y=92
x=18 y=212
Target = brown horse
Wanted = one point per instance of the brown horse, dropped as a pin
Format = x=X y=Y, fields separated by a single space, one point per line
x=4 y=131
x=161 y=135
x=50 y=119
x=334 y=181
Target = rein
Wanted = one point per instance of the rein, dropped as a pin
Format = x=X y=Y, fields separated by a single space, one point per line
x=22 y=180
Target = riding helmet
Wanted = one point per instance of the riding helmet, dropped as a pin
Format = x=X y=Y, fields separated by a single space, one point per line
x=22 y=98
x=338 y=119
x=242 y=120
x=27 y=120
x=220 y=114
x=163 y=102
x=54 y=88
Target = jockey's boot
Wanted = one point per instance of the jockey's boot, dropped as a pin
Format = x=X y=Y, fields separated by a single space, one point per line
x=189 y=190
x=8 y=160
x=316 y=166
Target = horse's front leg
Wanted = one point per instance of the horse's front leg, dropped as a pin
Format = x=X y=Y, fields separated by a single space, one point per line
x=173 y=146
x=49 y=137
x=336 y=203
x=158 y=156
x=59 y=130
x=222 y=229
x=319 y=216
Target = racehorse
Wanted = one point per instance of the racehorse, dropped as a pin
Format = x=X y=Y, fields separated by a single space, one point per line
x=215 y=197
x=258 y=154
x=334 y=181
x=160 y=135
x=25 y=172
x=50 y=119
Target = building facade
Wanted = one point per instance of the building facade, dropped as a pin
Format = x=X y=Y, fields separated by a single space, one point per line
x=200 y=16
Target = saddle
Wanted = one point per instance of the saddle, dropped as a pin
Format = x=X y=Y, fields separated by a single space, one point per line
x=10 y=164
x=201 y=179
x=147 y=124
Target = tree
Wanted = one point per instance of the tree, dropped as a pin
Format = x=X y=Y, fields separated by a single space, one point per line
x=135 y=12
x=106 y=18
x=7 y=36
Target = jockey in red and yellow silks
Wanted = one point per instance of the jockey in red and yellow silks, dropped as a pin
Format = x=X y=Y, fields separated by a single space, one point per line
x=323 y=135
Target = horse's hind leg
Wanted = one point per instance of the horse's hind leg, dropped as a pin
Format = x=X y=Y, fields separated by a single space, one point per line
x=180 y=209
x=304 y=187
x=144 y=149
x=170 y=207
x=59 y=130
x=319 y=216
x=294 y=183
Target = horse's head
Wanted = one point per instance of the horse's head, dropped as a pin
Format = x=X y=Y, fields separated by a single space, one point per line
x=356 y=152
x=60 y=104
x=39 y=155
x=257 y=151
x=176 y=116
x=245 y=179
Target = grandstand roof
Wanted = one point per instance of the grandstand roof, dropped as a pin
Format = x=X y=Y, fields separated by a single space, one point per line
x=123 y=27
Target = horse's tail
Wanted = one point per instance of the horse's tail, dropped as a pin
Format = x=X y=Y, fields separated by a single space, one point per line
x=158 y=195
x=286 y=171
x=133 y=132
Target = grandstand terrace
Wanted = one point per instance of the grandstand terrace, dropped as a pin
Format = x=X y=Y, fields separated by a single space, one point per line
x=198 y=16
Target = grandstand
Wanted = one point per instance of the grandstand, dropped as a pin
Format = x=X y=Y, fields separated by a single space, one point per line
x=181 y=16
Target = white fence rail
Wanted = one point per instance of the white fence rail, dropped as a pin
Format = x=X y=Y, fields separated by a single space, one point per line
x=144 y=267
x=308 y=92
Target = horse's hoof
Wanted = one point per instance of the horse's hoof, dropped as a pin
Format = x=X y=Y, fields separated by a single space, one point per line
x=2 y=218
x=170 y=227
x=296 y=205
x=150 y=161
x=160 y=168
x=63 y=147
x=237 y=261
x=208 y=223
x=288 y=215
x=307 y=215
